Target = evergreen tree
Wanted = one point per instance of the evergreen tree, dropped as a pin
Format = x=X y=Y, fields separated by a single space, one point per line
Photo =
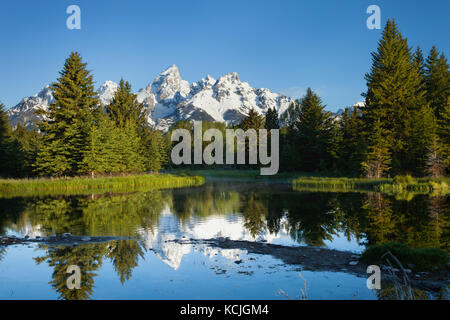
x=444 y=134
x=156 y=151
x=253 y=121
x=5 y=129
x=394 y=92
x=419 y=61
x=128 y=147
x=125 y=107
x=313 y=137
x=352 y=148
x=437 y=81
x=101 y=157
x=24 y=150
x=435 y=161
x=378 y=157
x=66 y=130
x=5 y=141
x=423 y=134
x=272 y=121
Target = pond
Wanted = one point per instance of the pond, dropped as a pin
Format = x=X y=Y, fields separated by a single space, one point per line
x=155 y=264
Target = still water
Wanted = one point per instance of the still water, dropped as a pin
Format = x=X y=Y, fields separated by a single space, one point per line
x=152 y=266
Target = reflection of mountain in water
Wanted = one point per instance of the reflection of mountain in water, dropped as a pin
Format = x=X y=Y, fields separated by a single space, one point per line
x=169 y=228
x=239 y=211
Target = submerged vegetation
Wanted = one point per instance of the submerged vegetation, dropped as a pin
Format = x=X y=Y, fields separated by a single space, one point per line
x=44 y=186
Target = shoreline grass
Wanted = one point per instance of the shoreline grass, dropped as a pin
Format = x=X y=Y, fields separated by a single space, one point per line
x=326 y=182
x=80 y=185
x=385 y=185
x=418 y=259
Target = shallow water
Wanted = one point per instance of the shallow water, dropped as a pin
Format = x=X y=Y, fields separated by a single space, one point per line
x=151 y=266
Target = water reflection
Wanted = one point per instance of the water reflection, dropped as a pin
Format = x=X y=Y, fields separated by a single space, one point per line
x=262 y=213
x=272 y=213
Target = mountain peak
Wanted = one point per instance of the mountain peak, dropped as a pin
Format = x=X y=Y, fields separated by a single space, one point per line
x=169 y=98
x=106 y=92
x=230 y=77
x=172 y=69
x=168 y=83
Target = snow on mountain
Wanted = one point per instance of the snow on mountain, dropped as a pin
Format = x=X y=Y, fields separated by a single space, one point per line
x=24 y=111
x=160 y=238
x=169 y=98
x=106 y=92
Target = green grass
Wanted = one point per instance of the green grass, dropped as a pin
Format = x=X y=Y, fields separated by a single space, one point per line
x=399 y=184
x=81 y=185
x=421 y=259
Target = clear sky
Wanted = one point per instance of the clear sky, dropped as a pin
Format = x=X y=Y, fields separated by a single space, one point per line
x=282 y=45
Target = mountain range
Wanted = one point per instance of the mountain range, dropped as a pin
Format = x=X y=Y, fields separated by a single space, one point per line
x=169 y=98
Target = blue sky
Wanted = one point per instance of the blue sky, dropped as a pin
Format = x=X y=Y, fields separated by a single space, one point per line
x=282 y=45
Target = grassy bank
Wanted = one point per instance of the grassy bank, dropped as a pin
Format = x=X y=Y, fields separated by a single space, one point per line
x=81 y=185
x=386 y=185
x=418 y=259
x=302 y=181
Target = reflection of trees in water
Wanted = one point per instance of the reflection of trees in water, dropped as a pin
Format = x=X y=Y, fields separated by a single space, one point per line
x=204 y=201
x=379 y=215
x=123 y=254
x=117 y=215
x=420 y=222
x=312 y=218
x=120 y=215
x=309 y=217
x=254 y=211
x=87 y=257
x=2 y=253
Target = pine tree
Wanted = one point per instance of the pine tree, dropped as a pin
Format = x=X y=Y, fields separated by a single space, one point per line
x=394 y=92
x=444 y=134
x=435 y=161
x=128 y=147
x=419 y=61
x=272 y=121
x=24 y=151
x=157 y=151
x=423 y=135
x=66 y=130
x=378 y=157
x=437 y=81
x=352 y=148
x=253 y=121
x=5 y=142
x=5 y=129
x=313 y=137
x=101 y=157
x=125 y=107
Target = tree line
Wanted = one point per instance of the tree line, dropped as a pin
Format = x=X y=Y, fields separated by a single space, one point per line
x=79 y=136
x=403 y=128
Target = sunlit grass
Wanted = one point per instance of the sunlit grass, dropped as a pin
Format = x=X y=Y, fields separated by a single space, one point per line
x=386 y=185
x=81 y=185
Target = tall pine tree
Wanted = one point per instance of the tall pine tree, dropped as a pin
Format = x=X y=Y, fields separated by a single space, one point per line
x=394 y=94
x=125 y=107
x=68 y=120
x=437 y=81
x=314 y=135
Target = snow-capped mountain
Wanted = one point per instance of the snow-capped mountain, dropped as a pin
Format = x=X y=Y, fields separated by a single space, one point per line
x=169 y=98
x=24 y=112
